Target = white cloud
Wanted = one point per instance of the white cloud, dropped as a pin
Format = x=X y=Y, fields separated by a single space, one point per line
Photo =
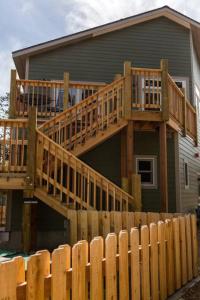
x=6 y=64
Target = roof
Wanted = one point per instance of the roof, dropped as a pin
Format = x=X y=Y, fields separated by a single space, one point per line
x=20 y=56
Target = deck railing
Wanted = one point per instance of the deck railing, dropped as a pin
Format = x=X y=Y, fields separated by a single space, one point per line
x=50 y=97
x=13 y=146
x=89 y=117
x=148 y=263
x=74 y=183
x=176 y=102
x=191 y=124
x=146 y=89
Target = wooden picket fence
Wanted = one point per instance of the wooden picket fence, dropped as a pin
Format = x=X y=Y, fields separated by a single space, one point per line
x=151 y=262
x=87 y=224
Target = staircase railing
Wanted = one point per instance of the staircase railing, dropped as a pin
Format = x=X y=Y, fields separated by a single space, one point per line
x=13 y=145
x=74 y=183
x=93 y=115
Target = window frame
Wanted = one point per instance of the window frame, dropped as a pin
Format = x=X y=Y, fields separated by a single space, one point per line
x=153 y=159
x=186 y=179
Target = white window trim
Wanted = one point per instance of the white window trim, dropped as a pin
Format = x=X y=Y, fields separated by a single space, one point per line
x=188 y=176
x=153 y=158
x=185 y=82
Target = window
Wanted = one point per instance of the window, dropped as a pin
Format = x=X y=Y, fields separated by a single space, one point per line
x=183 y=84
x=186 y=175
x=146 y=166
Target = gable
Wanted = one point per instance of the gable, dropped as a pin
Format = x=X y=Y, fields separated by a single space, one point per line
x=100 y=58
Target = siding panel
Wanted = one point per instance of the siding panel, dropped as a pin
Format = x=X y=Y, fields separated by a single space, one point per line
x=98 y=59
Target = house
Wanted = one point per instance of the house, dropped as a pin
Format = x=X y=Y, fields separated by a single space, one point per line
x=139 y=127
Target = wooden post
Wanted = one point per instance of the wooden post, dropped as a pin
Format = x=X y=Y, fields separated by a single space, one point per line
x=66 y=91
x=31 y=152
x=12 y=93
x=163 y=167
x=164 y=86
x=29 y=236
x=127 y=90
x=117 y=76
x=136 y=191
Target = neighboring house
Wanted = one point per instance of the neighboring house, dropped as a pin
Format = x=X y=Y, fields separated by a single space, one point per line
x=97 y=55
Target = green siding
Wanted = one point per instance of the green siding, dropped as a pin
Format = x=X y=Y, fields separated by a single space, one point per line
x=99 y=58
x=147 y=143
x=105 y=159
x=189 y=196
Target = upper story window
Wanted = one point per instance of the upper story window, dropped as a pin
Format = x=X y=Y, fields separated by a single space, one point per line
x=183 y=84
x=146 y=166
x=186 y=174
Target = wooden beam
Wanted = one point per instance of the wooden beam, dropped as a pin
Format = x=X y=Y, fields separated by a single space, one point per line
x=146 y=116
x=66 y=91
x=163 y=167
x=29 y=232
x=127 y=90
x=164 y=85
x=12 y=94
x=123 y=154
x=31 y=152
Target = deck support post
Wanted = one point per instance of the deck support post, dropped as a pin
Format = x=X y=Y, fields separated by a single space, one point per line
x=163 y=167
x=127 y=90
x=164 y=89
x=31 y=151
x=66 y=91
x=29 y=232
x=12 y=94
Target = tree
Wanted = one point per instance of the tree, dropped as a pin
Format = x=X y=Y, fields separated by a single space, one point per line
x=4 y=106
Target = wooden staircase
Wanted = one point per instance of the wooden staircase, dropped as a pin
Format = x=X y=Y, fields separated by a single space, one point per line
x=90 y=122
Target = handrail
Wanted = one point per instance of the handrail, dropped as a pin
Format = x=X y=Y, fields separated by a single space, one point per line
x=13 y=145
x=73 y=182
x=85 y=119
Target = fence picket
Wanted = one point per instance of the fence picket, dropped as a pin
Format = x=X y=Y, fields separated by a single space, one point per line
x=189 y=247
x=111 y=271
x=135 y=264
x=162 y=260
x=194 y=245
x=79 y=258
x=177 y=252
x=104 y=223
x=170 y=256
x=123 y=266
x=183 y=250
x=96 y=269
x=145 y=263
x=93 y=224
x=154 y=261
x=82 y=225
x=8 y=280
x=60 y=264
x=37 y=268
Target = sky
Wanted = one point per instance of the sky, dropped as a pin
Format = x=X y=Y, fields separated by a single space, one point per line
x=27 y=22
